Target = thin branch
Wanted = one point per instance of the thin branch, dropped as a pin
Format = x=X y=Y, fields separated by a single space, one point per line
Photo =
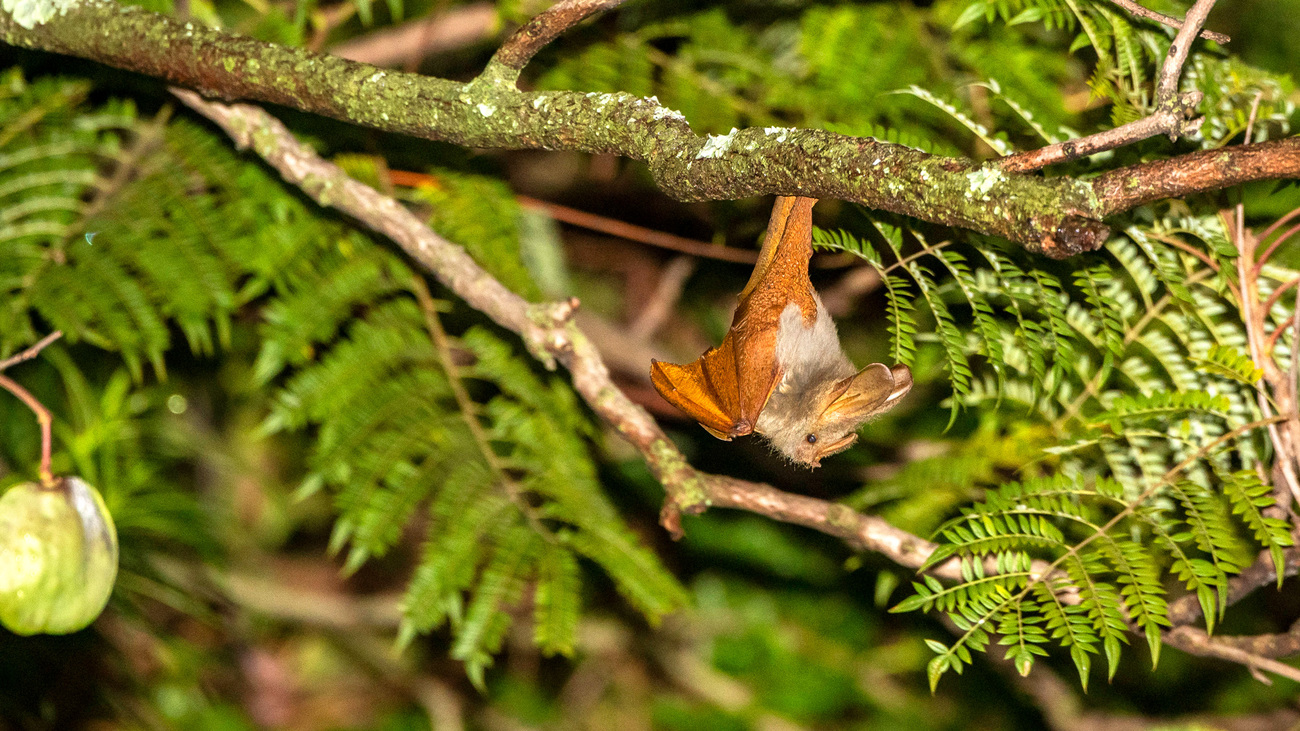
x=1277 y=294
x=663 y=302
x=545 y=27
x=1263 y=258
x=1162 y=121
x=606 y=225
x=1279 y=223
x=1168 y=20
x=31 y=352
x=640 y=234
x=1173 y=113
x=43 y=418
x=1172 y=69
x=1195 y=641
x=451 y=29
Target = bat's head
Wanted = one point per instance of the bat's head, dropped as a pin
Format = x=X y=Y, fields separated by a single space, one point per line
x=825 y=418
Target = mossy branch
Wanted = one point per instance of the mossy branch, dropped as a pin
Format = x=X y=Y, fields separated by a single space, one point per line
x=1055 y=216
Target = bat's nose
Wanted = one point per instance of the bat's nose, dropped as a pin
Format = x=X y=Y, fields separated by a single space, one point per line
x=902 y=382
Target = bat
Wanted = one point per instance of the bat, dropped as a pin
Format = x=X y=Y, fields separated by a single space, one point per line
x=780 y=371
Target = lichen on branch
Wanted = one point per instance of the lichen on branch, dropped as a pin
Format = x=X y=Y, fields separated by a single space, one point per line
x=1056 y=216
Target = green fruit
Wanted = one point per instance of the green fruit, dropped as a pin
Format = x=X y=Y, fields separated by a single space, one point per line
x=58 y=557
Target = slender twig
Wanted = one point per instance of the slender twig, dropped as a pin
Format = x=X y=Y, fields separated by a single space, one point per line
x=1270 y=343
x=672 y=278
x=1263 y=258
x=1173 y=113
x=607 y=225
x=545 y=27
x=1277 y=294
x=1195 y=641
x=1170 y=21
x=1279 y=223
x=1172 y=69
x=450 y=29
x=43 y=418
x=31 y=352
x=640 y=234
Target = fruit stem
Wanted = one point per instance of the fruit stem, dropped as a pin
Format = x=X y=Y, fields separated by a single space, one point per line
x=43 y=418
x=42 y=413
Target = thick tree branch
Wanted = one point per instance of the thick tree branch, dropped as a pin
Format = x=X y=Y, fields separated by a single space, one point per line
x=1129 y=187
x=1057 y=216
x=1054 y=216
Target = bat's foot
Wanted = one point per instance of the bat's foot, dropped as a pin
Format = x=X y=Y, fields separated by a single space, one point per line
x=742 y=427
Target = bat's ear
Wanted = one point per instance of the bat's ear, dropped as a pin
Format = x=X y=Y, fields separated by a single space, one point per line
x=872 y=390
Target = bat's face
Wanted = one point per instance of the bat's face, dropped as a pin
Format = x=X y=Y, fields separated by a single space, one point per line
x=813 y=421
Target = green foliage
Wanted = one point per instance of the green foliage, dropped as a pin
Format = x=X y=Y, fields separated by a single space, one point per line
x=123 y=233
x=1137 y=370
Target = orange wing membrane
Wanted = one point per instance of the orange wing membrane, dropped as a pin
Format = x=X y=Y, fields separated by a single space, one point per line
x=727 y=387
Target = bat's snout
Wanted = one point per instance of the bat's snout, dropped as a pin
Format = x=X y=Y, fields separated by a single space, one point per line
x=902 y=382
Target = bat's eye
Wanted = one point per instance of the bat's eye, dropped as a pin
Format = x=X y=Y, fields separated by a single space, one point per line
x=811 y=438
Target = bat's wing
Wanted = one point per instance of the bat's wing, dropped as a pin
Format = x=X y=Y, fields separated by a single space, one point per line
x=723 y=389
x=727 y=387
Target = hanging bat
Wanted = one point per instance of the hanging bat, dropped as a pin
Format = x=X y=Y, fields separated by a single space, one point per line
x=780 y=371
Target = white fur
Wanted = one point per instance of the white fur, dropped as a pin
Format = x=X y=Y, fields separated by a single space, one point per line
x=805 y=352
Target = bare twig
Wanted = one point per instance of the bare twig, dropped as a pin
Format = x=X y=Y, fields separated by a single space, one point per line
x=1277 y=294
x=31 y=352
x=607 y=225
x=43 y=418
x=454 y=28
x=1162 y=121
x=1172 y=22
x=545 y=27
x=1268 y=252
x=1253 y=319
x=640 y=234
x=1173 y=113
x=663 y=302
x=1195 y=641
x=1172 y=69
